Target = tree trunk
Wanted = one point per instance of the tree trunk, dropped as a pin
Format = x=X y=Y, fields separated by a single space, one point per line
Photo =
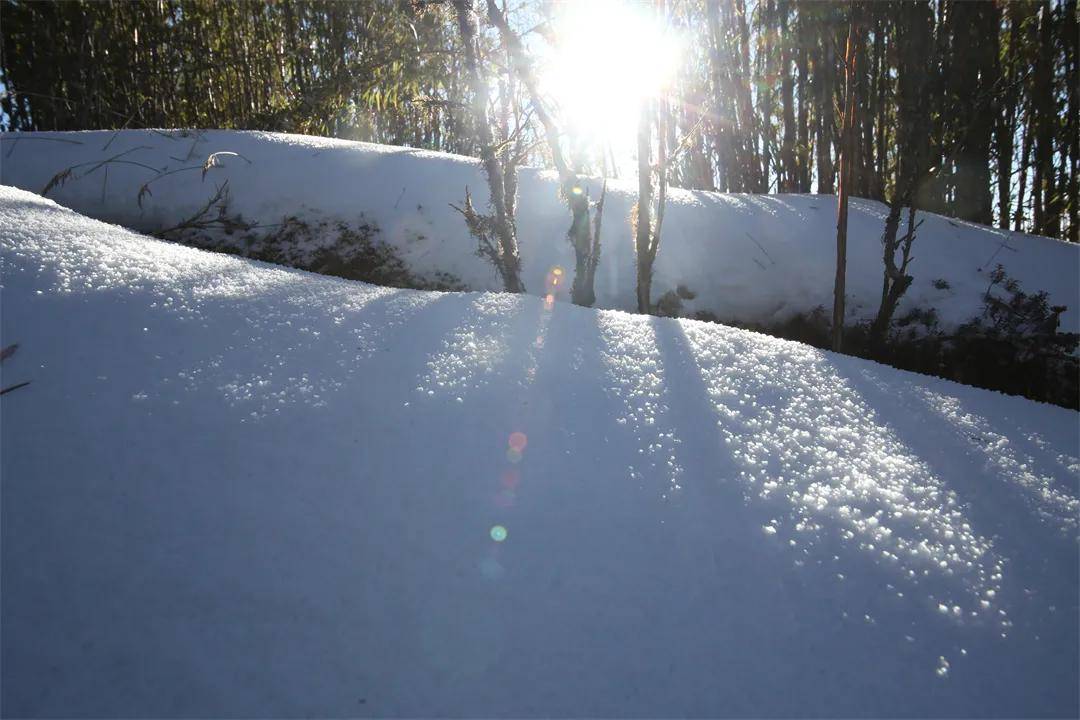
x=803 y=120
x=824 y=72
x=509 y=264
x=1005 y=127
x=789 y=179
x=576 y=197
x=1025 y=156
x=1071 y=35
x=1044 y=189
x=847 y=143
x=974 y=62
x=754 y=180
x=912 y=46
x=722 y=124
x=643 y=219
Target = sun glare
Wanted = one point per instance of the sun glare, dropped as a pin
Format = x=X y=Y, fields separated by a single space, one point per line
x=611 y=54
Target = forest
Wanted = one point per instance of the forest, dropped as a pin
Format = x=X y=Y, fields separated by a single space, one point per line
x=969 y=108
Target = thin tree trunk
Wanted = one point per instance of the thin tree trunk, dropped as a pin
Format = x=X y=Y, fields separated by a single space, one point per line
x=1006 y=121
x=643 y=218
x=974 y=62
x=788 y=181
x=882 y=106
x=824 y=72
x=1043 y=190
x=1071 y=36
x=723 y=124
x=803 y=120
x=1025 y=156
x=753 y=181
x=847 y=143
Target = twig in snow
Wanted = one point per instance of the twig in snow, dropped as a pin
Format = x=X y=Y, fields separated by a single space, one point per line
x=767 y=255
x=68 y=173
x=204 y=220
x=145 y=189
x=114 y=158
x=14 y=387
x=1003 y=246
x=195 y=138
x=130 y=118
x=19 y=136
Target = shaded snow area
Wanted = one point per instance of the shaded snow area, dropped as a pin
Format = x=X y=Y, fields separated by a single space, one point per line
x=233 y=489
x=750 y=259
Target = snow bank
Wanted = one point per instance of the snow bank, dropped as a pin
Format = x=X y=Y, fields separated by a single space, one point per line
x=232 y=489
x=751 y=259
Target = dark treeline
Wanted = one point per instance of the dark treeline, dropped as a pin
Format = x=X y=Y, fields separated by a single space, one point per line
x=756 y=106
x=369 y=69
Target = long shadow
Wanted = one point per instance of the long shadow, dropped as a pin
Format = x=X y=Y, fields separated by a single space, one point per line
x=738 y=567
x=774 y=589
x=1039 y=542
x=964 y=458
x=601 y=546
x=710 y=470
x=1040 y=569
x=571 y=420
x=566 y=575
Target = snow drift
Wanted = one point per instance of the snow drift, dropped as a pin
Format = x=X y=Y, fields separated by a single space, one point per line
x=749 y=259
x=232 y=489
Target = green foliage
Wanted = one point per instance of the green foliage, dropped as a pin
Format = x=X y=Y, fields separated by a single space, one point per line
x=366 y=69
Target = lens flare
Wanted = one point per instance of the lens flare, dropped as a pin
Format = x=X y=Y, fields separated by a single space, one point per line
x=498 y=533
x=518 y=441
x=505 y=498
x=554 y=277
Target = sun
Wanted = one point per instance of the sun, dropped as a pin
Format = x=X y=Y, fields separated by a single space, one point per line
x=610 y=55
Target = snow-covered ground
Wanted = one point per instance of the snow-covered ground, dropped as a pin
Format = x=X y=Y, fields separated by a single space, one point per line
x=233 y=489
x=750 y=259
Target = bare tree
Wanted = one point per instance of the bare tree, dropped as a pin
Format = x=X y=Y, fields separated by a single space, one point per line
x=496 y=233
x=647 y=232
x=896 y=280
x=846 y=149
x=582 y=235
x=914 y=45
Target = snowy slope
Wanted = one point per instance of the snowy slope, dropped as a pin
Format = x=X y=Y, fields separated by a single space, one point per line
x=233 y=489
x=751 y=259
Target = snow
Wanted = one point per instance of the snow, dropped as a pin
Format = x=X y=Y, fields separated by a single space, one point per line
x=750 y=259
x=233 y=489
